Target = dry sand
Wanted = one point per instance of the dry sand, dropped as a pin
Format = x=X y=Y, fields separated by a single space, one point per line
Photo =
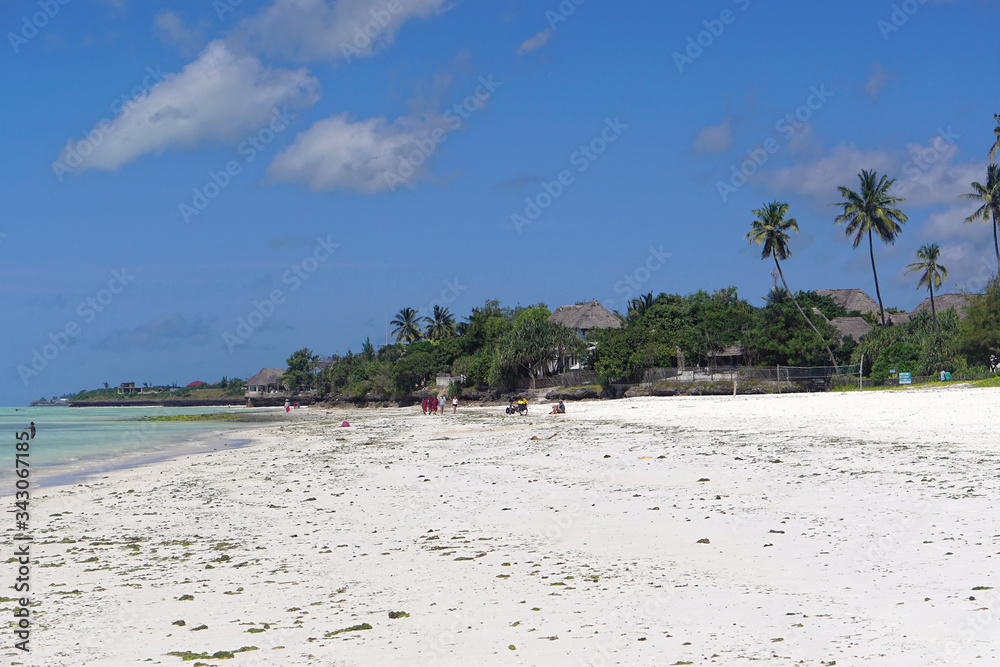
x=855 y=528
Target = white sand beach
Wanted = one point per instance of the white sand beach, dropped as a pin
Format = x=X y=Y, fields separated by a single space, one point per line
x=855 y=529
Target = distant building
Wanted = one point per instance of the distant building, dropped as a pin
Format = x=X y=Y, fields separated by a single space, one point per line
x=943 y=302
x=858 y=300
x=128 y=388
x=267 y=381
x=851 y=299
x=583 y=318
x=851 y=327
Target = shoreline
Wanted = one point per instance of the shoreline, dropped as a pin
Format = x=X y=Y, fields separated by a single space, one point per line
x=829 y=519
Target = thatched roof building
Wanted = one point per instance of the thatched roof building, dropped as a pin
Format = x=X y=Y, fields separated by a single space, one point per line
x=267 y=380
x=854 y=327
x=943 y=302
x=586 y=316
x=851 y=299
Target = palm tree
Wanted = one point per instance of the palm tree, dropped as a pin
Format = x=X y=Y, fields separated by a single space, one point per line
x=934 y=274
x=638 y=307
x=776 y=295
x=871 y=211
x=440 y=326
x=770 y=230
x=989 y=195
x=407 y=330
x=996 y=144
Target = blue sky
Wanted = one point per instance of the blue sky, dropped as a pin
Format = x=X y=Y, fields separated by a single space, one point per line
x=195 y=190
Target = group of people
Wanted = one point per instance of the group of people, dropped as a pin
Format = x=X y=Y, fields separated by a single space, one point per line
x=521 y=407
x=431 y=404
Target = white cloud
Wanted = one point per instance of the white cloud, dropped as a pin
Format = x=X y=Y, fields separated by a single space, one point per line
x=536 y=42
x=819 y=179
x=219 y=98
x=317 y=31
x=925 y=174
x=364 y=155
x=172 y=30
x=713 y=139
x=876 y=82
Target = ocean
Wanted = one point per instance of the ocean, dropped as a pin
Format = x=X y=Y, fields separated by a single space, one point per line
x=73 y=443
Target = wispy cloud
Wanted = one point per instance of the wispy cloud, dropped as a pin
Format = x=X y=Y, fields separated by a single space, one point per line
x=877 y=81
x=171 y=29
x=714 y=139
x=536 y=42
x=305 y=31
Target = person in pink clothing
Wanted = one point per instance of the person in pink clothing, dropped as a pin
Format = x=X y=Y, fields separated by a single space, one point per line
x=434 y=405
x=423 y=404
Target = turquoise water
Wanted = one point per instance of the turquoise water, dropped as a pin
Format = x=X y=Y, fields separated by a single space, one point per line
x=73 y=442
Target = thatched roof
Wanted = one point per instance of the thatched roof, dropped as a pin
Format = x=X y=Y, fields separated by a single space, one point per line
x=267 y=376
x=943 y=302
x=729 y=351
x=855 y=327
x=897 y=318
x=851 y=299
x=586 y=316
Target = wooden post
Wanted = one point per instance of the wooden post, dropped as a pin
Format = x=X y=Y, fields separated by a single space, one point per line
x=861 y=374
x=777 y=370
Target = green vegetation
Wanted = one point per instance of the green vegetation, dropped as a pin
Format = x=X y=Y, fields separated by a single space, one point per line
x=218 y=655
x=353 y=628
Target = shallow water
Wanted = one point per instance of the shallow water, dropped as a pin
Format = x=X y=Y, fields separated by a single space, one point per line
x=72 y=442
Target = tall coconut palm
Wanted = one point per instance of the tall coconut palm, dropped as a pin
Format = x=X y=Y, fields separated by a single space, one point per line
x=638 y=307
x=407 y=330
x=440 y=326
x=989 y=195
x=770 y=230
x=934 y=274
x=996 y=144
x=871 y=211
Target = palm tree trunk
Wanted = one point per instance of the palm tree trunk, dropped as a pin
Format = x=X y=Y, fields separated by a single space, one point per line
x=871 y=251
x=995 y=246
x=802 y=313
x=933 y=312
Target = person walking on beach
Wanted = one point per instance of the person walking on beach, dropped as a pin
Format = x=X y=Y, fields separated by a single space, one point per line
x=423 y=405
x=32 y=430
x=434 y=405
x=454 y=404
x=287 y=404
x=444 y=403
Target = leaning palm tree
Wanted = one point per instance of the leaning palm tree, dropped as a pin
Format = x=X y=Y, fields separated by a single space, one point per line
x=407 y=330
x=996 y=144
x=440 y=326
x=934 y=274
x=638 y=307
x=871 y=211
x=989 y=195
x=770 y=230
